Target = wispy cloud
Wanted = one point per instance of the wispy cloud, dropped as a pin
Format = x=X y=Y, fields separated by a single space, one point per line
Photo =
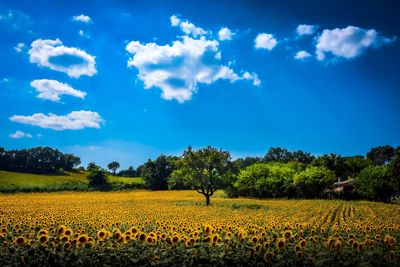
x=52 y=90
x=75 y=120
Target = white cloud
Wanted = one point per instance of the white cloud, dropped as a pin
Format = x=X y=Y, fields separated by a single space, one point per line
x=83 y=34
x=19 y=47
x=187 y=27
x=302 y=54
x=52 y=90
x=20 y=134
x=177 y=69
x=70 y=60
x=75 y=120
x=175 y=21
x=348 y=42
x=82 y=18
x=304 y=29
x=265 y=41
x=225 y=34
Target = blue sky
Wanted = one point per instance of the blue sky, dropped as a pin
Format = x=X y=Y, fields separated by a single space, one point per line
x=129 y=80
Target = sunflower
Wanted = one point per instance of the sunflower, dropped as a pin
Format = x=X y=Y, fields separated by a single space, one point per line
x=287 y=234
x=82 y=239
x=43 y=232
x=68 y=232
x=61 y=229
x=337 y=245
x=268 y=256
x=142 y=237
x=297 y=248
x=299 y=254
x=280 y=244
x=67 y=245
x=102 y=234
x=19 y=241
x=255 y=239
x=175 y=239
x=43 y=239
x=303 y=243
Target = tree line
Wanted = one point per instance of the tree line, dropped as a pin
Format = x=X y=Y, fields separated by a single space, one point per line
x=279 y=174
x=37 y=160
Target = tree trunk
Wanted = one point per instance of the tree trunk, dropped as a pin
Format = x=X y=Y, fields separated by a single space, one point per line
x=207 y=199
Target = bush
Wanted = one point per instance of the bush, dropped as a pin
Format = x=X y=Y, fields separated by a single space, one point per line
x=98 y=179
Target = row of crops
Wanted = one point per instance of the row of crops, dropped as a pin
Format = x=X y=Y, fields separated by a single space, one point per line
x=173 y=228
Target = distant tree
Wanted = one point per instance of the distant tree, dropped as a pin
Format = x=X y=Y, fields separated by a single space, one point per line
x=302 y=157
x=377 y=183
x=278 y=154
x=70 y=161
x=242 y=163
x=156 y=173
x=313 y=181
x=113 y=166
x=130 y=172
x=205 y=170
x=354 y=165
x=381 y=155
x=98 y=179
x=333 y=162
x=394 y=167
x=92 y=166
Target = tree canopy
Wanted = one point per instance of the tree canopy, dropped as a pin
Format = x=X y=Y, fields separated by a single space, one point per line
x=205 y=170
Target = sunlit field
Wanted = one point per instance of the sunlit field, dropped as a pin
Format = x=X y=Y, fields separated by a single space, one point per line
x=175 y=228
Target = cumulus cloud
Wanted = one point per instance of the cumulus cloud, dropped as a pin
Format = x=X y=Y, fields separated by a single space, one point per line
x=225 y=34
x=82 y=18
x=302 y=54
x=187 y=27
x=52 y=90
x=75 y=120
x=177 y=69
x=304 y=29
x=54 y=55
x=19 y=47
x=20 y=134
x=348 y=42
x=265 y=41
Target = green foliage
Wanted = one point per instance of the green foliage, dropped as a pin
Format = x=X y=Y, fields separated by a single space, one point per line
x=92 y=166
x=268 y=180
x=130 y=172
x=113 y=166
x=381 y=155
x=313 y=181
x=377 y=183
x=278 y=154
x=333 y=162
x=98 y=179
x=37 y=160
x=205 y=170
x=242 y=163
x=11 y=182
x=155 y=173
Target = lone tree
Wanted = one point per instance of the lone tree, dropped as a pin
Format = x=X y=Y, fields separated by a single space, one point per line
x=205 y=170
x=113 y=166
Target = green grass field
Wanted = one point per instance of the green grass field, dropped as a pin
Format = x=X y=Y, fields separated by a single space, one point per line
x=15 y=181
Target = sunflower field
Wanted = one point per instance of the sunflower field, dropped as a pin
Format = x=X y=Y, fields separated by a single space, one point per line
x=174 y=228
